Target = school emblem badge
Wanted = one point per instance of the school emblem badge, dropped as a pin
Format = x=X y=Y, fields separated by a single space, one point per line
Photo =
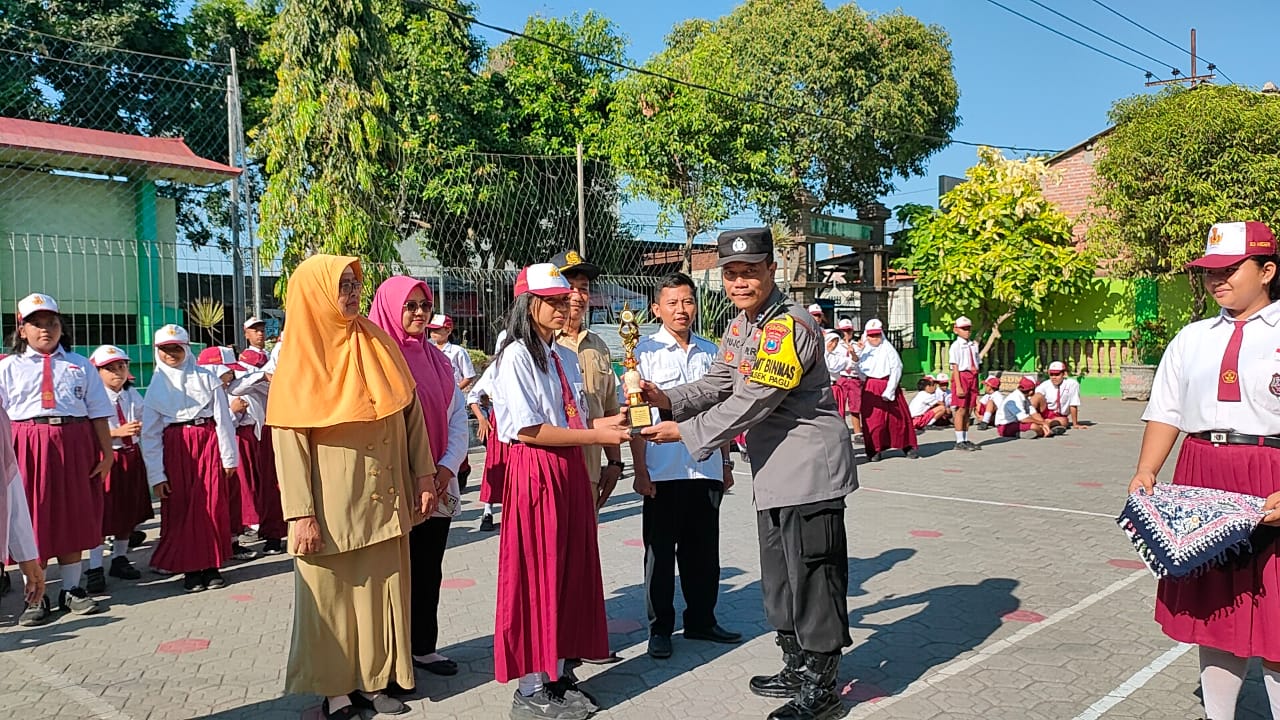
x=572 y=258
x=37 y=300
x=1274 y=387
x=1229 y=377
x=739 y=245
x=1215 y=236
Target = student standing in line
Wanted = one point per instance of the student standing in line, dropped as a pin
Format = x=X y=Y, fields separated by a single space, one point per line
x=886 y=419
x=1218 y=384
x=964 y=358
x=58 y=412
x=127 y=497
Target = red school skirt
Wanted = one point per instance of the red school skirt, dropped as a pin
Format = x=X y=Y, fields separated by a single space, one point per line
x=495 y=464
x=65 y=501
x=195 y=520
x=1234 y=607
x=126 y=496
x=885 y=424
x=267 y=490
x=550 y=594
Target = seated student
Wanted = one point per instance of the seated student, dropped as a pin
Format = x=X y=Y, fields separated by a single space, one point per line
x=986 y=409
x=1015 y=416
x=928 y=406
x=944 y=387
x=1059 y=396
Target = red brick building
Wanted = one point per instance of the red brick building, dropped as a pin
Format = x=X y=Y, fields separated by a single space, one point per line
x=1076 y=167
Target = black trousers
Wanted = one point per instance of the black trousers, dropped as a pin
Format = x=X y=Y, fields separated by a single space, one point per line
x=427 y=542
x=682 y=526
x=804 y=573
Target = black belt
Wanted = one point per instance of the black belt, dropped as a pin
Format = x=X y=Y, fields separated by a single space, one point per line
x=1223 y=437
x=55 y=420
x=197 y=422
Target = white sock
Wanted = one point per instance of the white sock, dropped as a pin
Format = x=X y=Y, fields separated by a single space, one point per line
x=989 y=418
x=1221 y=677
x=1271 y=679
x=488 y=508
x=71 y=575
x=337 y=702
x=531 y=684
x=255 y=527
x=95 y=557
x=120 y=548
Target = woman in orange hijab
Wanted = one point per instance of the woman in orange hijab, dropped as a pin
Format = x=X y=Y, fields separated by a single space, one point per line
x=356 y=474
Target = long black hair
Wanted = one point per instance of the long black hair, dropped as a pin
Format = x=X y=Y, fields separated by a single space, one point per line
x=18 y=344
x=1273 y=287
x=520 y=327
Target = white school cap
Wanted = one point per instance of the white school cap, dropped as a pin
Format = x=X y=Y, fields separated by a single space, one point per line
x=543 y=280
x=873 y=327
x=254 y=321
x=1232 y=242
x=107 y=354
x=815 y=309
x=1057 y=366
x=172 y=335
x=844 y=324
x=962 y=322
x=34 y=303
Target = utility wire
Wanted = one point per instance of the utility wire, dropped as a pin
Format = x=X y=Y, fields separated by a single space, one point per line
x=42 y=56
x=1104 y=36
x=715 y=91
x=1077 y=41
x=1157 y=36
x=72 y=41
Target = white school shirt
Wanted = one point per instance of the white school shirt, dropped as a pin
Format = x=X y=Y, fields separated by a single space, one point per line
x=1059 y=398
x=463 y=368
x=841 y=363
x=481 y=389
x=1185 y=391
x=457 y=446
x=924 y=400
x=664 y=363
x=254 y=388
x=524 y=396
x=154 y=424
x=882 y=361
x=964 y=355
x=1012 y=408
x=131 y=405
x=77 y=388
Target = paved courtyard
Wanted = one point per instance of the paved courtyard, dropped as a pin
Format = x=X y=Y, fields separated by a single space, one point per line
x=982 y=585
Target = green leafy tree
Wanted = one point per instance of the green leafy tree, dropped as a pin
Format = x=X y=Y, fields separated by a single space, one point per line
x=19 y=95
x=888 y=76
x=330 y=138
x=996 y=246
x=216 y=26
x=1176 y=163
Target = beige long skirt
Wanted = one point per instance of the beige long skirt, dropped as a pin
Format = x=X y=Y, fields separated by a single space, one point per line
x=351 y=621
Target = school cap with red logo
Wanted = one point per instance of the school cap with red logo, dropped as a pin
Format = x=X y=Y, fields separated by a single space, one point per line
x=1057 y=367
x=992 y=382
x=107 y=354
x=962 y=322
x=873 y=327
x=253 y=357
x=942 y=378
x=543 y=280
x=1027 y=383
x=172 y=335
x=439 y=321
x=1231 y=242
x=815 y=309
x=844 y=324
x=34 y=303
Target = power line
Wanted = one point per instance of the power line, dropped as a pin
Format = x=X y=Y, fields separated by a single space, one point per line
x=1099 y=34
x=42 y=56
x=715 y=91
x=73 y=41
x=1157 y=36
x=1077 y=41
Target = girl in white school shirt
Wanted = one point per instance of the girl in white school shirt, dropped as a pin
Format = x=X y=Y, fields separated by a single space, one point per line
x=189 y=446
x=1223 y=374
x=58 y=410
x=550 y=595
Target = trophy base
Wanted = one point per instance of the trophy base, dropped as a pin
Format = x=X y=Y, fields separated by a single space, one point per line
x=642 y=416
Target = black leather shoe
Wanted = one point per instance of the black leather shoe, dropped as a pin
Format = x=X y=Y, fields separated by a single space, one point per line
x=660 y=646
x=444 y=667
x=273 y=546
x=786 y=683
x=95 y=580
x=817 y=699
x=911 y=453
x=123 y=569
x=136 y=538
x=715 y=633
x=486 y=523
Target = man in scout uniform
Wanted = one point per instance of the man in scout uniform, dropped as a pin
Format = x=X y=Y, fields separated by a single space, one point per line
x=770 y=377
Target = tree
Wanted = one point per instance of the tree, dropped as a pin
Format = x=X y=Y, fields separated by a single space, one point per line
x=670 y=140
x=1176 y=163
x=216 y=26
x=877 y=97
x=330 y=139
x=996 y=247
x=19 y=95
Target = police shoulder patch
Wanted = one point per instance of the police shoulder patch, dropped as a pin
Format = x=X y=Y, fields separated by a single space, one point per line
x=777 y=363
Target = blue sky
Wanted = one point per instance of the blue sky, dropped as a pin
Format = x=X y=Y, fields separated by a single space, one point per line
x=1019 y=84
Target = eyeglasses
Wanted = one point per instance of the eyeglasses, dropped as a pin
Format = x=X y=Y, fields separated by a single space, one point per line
x=346 y=287
x=414 y=306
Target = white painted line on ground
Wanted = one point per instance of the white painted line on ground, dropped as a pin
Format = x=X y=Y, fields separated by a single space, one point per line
x=62 y=684
x=1068 y=511
x=986 y=653
x=1134 y=683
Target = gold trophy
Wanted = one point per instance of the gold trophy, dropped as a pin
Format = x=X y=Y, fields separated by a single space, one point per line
x=640 y=413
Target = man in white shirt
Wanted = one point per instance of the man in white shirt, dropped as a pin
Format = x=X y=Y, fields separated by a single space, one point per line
x=464 y=371
x=681 y=515
x=963 y=361
x=1015 y=417
x=1059 y=396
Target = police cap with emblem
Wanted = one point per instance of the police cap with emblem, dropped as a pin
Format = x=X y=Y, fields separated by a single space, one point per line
x=750 y=245
x=571 y=262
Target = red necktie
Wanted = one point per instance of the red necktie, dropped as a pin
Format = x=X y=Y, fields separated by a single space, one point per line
x=47 y=401
x=570 y=406
x=1058 y=401
x=973 y=358
x=127 y=439
x=1229 y=376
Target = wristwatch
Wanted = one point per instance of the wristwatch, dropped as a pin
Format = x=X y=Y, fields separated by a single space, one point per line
x=728 y=464
x=617 y=463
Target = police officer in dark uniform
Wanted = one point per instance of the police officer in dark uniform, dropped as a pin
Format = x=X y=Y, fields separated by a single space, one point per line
x=770 y=378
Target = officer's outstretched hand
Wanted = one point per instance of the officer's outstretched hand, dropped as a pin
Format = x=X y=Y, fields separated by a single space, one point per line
x=667 y=431
x=654 y=395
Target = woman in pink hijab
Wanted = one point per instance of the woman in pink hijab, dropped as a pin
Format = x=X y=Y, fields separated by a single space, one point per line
x=402 y=306
x=17 y=540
